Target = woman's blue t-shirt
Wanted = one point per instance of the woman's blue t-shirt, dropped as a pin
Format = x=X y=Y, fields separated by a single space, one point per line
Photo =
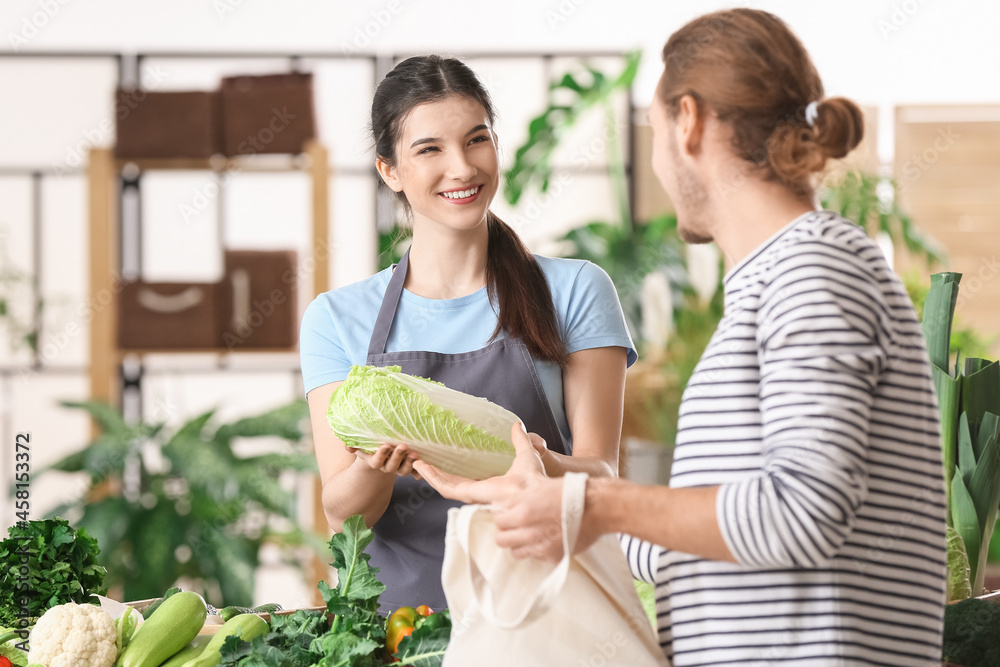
x=337 y=326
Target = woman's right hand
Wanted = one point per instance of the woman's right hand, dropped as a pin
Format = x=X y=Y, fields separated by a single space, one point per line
x=391 y=459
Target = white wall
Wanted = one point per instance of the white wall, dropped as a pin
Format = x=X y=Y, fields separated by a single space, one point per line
x=878 y=51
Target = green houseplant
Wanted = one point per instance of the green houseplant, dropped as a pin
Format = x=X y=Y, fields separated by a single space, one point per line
x=181 y=503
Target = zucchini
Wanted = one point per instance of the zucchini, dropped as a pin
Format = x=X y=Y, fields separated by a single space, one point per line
x=192 y=650
x=245 y=626
x=175 y=623
x=228 y=612
x=148 y=611
x=232 y=611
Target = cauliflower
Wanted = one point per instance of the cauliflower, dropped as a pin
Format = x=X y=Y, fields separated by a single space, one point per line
x=73 y=635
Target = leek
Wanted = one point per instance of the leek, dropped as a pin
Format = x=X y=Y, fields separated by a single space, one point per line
x=969 y=402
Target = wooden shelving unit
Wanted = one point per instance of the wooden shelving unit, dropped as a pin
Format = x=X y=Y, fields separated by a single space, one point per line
x=105 y=278
x=104 y=172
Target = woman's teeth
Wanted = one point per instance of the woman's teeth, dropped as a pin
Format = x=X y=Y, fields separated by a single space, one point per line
x=461 y=194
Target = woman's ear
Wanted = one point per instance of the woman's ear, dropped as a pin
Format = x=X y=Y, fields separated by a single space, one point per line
x=388 y=174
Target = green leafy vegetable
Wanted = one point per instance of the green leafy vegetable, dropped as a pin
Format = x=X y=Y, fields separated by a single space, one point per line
x=125 y=627
x=426 y=646
x=51 y=561
x=9 y=639
x=286 y=645
x=452 y=430
x=346 y=649
x=356 y=595
x=356 y=638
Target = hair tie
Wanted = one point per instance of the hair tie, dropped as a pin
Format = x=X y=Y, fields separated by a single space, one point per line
x=812 y=112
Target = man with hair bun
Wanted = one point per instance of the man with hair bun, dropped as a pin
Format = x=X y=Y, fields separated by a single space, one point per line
x=804 y=523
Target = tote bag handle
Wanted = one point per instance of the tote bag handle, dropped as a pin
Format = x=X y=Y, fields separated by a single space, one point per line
x=573 y=492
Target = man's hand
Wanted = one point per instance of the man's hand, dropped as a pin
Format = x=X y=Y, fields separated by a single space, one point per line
x=528 y=503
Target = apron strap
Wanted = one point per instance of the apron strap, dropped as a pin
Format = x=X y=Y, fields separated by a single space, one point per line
x=383 y=323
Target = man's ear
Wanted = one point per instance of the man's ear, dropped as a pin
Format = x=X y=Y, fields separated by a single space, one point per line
x=388 y=174
x=690 y=125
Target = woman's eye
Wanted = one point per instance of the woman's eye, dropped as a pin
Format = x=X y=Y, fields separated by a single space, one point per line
x=427 y=150
x=479 y=139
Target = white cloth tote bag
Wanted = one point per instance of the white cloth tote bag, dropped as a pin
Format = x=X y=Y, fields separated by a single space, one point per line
x=581 y=612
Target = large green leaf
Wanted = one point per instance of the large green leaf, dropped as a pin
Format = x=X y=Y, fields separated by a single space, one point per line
x=284 y=422
x=202 y=463
x=965 y=520
x=989 y=432
x=154 y=537
x=939 y=311
x=980 y=395
x=261 y=486
x=108 y=418
x=355 y=576
x=233 y=560
x=984 y=485
x=984 y=488
x=966 y=451
x=948 y=393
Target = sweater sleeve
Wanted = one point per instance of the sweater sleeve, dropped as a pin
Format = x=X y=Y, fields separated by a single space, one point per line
x=821 y=350
x=642 y=557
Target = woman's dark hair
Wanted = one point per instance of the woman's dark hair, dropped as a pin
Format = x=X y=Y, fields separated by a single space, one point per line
x=514 y=280
x=748 y=67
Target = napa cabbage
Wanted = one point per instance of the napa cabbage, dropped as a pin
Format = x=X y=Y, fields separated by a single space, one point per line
x=454 y=431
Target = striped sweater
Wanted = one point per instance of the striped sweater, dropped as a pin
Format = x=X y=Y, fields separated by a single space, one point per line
x=814 y=411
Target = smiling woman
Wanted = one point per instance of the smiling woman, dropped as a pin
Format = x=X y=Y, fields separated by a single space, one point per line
x=468 y=306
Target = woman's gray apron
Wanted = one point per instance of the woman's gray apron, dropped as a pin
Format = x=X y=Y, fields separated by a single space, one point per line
x=409 y=538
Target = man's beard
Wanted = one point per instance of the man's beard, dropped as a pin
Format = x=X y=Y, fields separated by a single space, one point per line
x=692 y=198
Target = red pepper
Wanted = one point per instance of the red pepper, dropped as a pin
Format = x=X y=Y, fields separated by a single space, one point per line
x=5 y=662
x=401 y=620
